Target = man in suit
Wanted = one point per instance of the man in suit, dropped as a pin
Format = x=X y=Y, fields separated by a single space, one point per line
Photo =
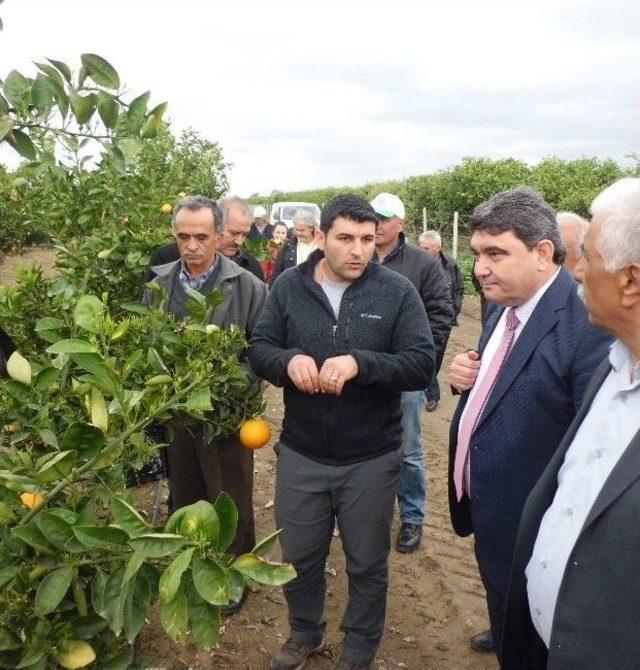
x=572 y=230
x=522 y=388
x=574 y=599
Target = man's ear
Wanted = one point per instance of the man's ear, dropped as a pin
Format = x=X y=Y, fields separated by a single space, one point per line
x=319 y=239
x=630 y=285
x=545 y=254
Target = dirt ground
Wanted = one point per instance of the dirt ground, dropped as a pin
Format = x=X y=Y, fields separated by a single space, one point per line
x=436 y=600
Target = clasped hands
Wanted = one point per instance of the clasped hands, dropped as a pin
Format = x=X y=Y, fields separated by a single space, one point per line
x=331 y=378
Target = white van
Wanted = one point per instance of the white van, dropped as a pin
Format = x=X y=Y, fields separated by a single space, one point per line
x=285 y=211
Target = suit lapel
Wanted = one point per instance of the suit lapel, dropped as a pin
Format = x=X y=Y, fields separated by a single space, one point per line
x=623 y=475
x=541 y=321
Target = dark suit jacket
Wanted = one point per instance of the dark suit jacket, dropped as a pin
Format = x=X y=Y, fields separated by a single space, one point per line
x=530 y=409
x=255 y=234
x=595 y=626
x=286 y=258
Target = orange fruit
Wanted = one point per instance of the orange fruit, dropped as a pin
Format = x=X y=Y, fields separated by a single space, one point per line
x=255 y=433
x=166 y=208
x=31 y=500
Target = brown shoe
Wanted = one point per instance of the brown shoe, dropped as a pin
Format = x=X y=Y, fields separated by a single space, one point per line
x=293 y=655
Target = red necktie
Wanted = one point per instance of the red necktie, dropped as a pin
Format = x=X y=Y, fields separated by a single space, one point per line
x=479 y=401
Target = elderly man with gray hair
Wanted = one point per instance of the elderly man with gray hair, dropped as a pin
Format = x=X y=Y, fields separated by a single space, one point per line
x=523 y=386
x=200 y=469
x=572 y=230
x=303 y=244
x=574 y=599
x=431 y=242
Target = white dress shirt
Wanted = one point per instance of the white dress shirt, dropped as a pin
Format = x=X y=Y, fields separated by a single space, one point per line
x=605 y=433
x=523 y=312
x=304 y=250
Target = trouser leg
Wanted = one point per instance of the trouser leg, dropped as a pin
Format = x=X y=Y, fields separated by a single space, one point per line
x=186 y=482
x=364 y=497
x=413 y=483
x=228 y=466
x=304 y=512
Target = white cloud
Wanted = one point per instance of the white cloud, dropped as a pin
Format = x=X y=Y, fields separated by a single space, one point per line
x=307 y=94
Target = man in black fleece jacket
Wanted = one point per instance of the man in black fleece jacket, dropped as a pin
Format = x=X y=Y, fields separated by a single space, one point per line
x=430 y=280
x=343 y=337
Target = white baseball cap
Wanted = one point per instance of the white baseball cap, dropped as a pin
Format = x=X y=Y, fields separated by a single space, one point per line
x=259 y=212
x=388 y=205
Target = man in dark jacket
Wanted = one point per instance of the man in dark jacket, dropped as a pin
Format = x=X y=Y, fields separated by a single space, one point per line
x=344 y=337
x=236 y=222
x=200 y=469
x=431 y=242
x=431 y=282
x=301 y=245
x=261 y=229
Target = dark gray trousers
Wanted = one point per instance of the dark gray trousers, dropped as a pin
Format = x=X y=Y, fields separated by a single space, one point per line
x=310 y=496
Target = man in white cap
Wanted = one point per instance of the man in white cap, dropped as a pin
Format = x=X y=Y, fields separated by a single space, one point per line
x=260 y=229
x=431 y=282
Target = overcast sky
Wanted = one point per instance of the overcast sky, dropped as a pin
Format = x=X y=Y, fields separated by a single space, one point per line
x=308 y=94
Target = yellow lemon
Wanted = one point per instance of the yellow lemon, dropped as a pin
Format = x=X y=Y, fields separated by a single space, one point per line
x=166 y=208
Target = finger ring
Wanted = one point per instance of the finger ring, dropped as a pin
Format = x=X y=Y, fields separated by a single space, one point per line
x=333 y=379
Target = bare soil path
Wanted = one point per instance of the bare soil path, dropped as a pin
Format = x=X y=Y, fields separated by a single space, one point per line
x=436 y=600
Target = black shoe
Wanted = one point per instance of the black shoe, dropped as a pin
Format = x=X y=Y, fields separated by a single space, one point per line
x=409 y=537
x=234 y=608
x=431 y=405
x=343 y=664
x=293 y=656
x=483 y=642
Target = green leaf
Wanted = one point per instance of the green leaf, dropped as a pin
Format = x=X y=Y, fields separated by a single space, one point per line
x=86 y=439
x=98 y=586
x=210 y=581
x=57 y=467
x=86 y=627
x=174 y=615
x=44 y=380
x=114 y=598
x=6 y=514
x=156 y=545
x=205 y=623
x=175 y=521
x=200 y=522
x=108 y=109
x=135 y=608
x=236 y=584
x=102 y=377
x=72 y=347
x=199 y=402
x=228 y=516
x=149 y=129
x=49 y=323
x=6 y=124
x=42 y=94
x=58 y=532
x=263 y=572
x=8 y=640
x=7 y=574
x=32 y=536
x=22 y=143
x=137 y=112
x=20 y=483
x=63 y=68
x=48 y=437
x=170 y=580
x=121 y=661
x=108 y=538
x=17 y=90
x=31 y=659
x=129 y=519
x=88 y=313
x=83 y=107
x=52 y=590
x=133 y=565
x=137 y=308
x=101 y=71
x=130 y=149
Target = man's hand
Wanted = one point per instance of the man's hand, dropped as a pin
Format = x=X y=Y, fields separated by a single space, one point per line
x=336 y=372
x=303 y=372
x=464 y=370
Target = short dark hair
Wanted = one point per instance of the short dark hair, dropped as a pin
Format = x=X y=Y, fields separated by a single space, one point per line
x=525 y=213
x=348 y=206
x=197 y=202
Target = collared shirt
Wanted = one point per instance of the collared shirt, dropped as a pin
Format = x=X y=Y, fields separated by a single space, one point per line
x=523 y=312
x=197 y=282
x=304 y=250
x=605 y=433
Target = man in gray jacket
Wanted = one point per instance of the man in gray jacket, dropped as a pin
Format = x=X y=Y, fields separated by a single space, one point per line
x=200 y=470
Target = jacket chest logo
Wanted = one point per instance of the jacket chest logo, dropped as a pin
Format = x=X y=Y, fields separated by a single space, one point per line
x=367 y=315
